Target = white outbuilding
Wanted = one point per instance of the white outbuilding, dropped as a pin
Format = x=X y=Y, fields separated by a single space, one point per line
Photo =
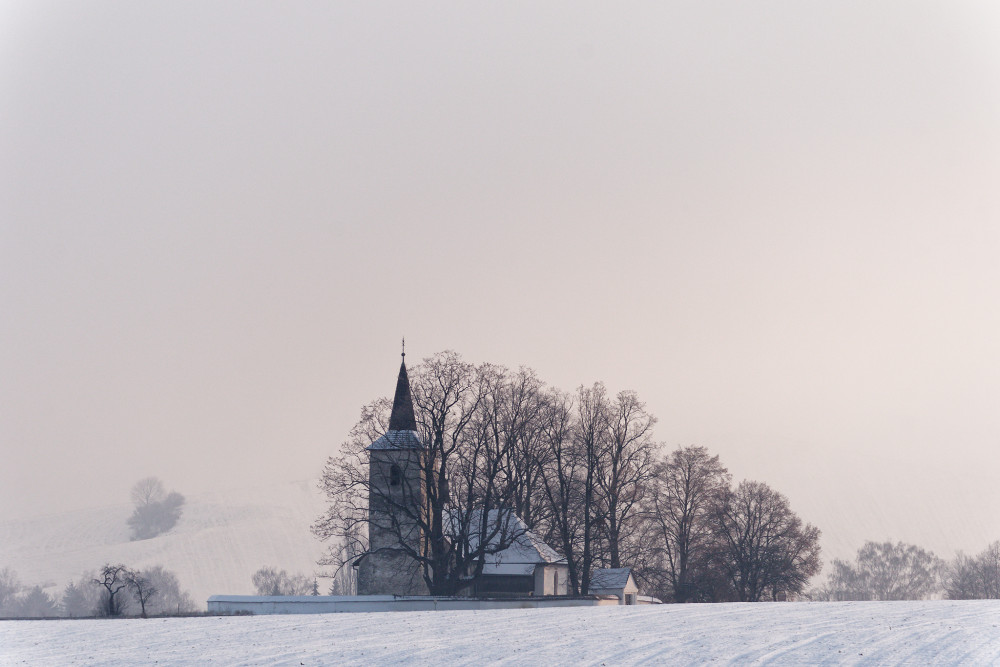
x=615 y=581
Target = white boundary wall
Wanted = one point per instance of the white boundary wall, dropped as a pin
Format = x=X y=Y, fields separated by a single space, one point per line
x=327 y=604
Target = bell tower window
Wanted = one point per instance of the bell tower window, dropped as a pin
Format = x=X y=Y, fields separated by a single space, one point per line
x=395 y=475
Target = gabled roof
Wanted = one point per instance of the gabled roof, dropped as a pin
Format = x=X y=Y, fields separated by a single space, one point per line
x=610 y=578
x=531 y=548
x=525 y=549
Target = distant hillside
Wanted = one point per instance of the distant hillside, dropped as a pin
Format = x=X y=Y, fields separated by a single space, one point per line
x=221 y=539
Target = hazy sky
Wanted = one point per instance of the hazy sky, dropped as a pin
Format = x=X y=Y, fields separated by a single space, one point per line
x=778 y=222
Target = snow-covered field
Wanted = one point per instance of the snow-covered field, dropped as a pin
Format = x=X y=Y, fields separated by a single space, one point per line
x=878 y=633
x=222 y=538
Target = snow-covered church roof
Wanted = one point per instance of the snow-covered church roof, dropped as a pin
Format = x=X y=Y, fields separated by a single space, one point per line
x=525 y=551
x=398 y=440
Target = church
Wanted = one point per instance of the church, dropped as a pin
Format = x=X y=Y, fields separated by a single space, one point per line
x=399 y=510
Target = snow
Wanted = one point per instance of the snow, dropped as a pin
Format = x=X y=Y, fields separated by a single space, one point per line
x=222 y=538
x=917 y=633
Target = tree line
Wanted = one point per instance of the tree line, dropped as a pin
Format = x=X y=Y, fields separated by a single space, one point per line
x=584 y=472
x=114 y=590
x=900 y=571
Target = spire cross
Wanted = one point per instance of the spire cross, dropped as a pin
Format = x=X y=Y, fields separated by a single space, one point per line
x=404 y=347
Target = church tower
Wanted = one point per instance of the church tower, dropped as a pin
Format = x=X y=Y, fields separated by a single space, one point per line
x=397 y=503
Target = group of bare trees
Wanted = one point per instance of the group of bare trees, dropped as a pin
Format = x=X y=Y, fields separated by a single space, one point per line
x=24 y=601
x=272 y=581
x=154 y=590
x=595 y=459
x=974 y=577
x=156 y=511
x=900 y=571
x=885 y=571
x=114 y=590
x=709 y=541
x=583 y=471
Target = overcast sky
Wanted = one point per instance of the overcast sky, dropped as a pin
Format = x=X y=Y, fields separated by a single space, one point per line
x=778 y=222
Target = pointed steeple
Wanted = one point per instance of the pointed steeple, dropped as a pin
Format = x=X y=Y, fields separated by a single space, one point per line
x=402 y=432
x=402 y=418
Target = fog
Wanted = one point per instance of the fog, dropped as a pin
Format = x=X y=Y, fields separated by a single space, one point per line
x=778 y=223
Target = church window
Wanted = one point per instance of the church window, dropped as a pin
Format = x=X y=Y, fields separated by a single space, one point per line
x=395 y=475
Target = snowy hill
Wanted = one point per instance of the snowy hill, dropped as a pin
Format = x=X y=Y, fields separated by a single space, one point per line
x=221 y=539
x=942 y=632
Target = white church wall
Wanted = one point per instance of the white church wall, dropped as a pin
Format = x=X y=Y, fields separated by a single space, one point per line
x=326 y=604
x=551 y=579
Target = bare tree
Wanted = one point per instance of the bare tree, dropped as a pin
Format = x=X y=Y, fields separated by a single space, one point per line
x=886 y=571
x=344 y=578
x=624 y=470
x=520 y=421
x=595 y=468
x=989 y=571
x=563 y=480
x=147 y=490
x=169 y=598
x=270 y=581
x=10 y=586
x=974 y=578
x=982 y=574
x=299 y=584
x=114 y=579
x=761 y=546
x=685 y=486
x=142 y=588
x=961 y=578
x=593 y=417
x=345 y=523
x=462 y=412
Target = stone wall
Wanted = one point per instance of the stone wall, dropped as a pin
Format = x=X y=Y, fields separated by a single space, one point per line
x=395 y=498
x=390 y=574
